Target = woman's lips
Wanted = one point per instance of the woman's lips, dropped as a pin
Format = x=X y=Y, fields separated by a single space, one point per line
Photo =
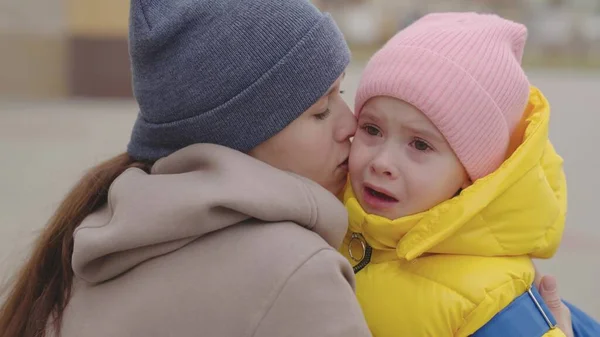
x=376 y=198
x=344 y=165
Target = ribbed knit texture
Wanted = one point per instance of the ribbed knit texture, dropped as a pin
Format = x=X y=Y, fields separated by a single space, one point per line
x=228 y=72
x=463 y=71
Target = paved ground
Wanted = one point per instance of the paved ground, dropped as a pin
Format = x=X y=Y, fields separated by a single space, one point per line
x=45 y=146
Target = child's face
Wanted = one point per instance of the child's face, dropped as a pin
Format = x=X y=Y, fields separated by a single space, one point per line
x=400 y=164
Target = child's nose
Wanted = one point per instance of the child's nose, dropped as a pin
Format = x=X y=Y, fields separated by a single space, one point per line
x=383 y=165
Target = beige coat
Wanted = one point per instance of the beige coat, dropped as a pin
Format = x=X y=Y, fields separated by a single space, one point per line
x=213 y=243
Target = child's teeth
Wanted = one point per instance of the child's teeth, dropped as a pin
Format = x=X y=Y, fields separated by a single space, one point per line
x=380 y=195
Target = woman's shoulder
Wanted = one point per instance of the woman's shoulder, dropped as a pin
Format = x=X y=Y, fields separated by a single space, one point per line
x=240 y=270
x=282 y=243
x=257 y=254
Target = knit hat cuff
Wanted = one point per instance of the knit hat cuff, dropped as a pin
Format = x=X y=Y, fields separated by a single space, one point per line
x=303 y=75
x=439 y=87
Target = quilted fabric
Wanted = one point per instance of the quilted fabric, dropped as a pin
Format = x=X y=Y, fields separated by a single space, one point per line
x=449 y=270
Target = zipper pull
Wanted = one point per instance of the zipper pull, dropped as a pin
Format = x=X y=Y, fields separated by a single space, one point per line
x=363 y=243
x=365 y=258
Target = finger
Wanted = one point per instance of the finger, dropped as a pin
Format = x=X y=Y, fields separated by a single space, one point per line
x=549 y=292
x=550 y=295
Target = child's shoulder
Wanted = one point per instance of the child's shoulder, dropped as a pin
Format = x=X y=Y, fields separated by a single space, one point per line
x=463 y=271
x=456 y=293
x=474 y=278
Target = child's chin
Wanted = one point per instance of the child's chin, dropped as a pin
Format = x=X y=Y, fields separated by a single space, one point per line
x=397 y=213
x=388 y=214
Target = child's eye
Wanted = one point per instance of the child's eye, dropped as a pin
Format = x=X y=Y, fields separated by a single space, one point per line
x=420 y=145
x=323 y=115
x=371 y=130
x=342 y=92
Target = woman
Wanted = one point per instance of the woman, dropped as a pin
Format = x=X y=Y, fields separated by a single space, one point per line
x=201 y=228
x=171 y=238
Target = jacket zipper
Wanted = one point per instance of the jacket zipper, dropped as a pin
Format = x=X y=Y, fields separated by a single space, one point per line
x=367 y=252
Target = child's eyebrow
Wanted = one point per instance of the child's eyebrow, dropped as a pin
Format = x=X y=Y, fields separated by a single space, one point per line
x=367 y=114
x=430 y=134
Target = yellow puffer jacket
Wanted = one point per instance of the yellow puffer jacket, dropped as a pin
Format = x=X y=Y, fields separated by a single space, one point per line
x=448 y=271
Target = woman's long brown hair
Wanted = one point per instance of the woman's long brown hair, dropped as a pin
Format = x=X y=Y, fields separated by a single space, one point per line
x=41 y=289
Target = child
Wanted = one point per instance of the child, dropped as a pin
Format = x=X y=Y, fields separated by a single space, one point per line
x=454 y=184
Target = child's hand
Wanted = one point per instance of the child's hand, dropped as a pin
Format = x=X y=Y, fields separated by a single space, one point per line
x=548 y=288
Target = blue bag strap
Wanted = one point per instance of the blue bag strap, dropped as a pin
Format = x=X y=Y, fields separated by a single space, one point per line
x=526 y=316
x=583 y=324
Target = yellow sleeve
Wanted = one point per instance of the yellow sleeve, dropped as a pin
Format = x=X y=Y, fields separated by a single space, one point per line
x=556 y=332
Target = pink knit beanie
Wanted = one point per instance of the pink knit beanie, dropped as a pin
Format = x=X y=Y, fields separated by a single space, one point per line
x=463 y=71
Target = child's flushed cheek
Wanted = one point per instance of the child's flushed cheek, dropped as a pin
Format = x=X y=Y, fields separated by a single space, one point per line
x=358 y=158
x=397 y=149
x=433 y=184
x=422 y=180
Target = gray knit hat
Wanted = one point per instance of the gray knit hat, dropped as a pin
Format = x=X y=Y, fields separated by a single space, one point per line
x=229 y=72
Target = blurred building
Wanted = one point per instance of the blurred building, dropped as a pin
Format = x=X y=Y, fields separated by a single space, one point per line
x=561 y=32
x=32 y=48
x=62 y=48
x=66 y=48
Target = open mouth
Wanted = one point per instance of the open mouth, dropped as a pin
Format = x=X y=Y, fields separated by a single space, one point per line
x=380 y=195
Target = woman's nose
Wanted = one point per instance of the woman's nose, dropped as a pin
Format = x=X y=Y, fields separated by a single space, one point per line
x=347 y=125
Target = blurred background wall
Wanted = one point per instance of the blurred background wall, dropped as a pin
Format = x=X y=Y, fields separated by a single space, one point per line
x=32 y=57
x=65 y=48
x=97 y=57
x=562 y=33
x=62 y=48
